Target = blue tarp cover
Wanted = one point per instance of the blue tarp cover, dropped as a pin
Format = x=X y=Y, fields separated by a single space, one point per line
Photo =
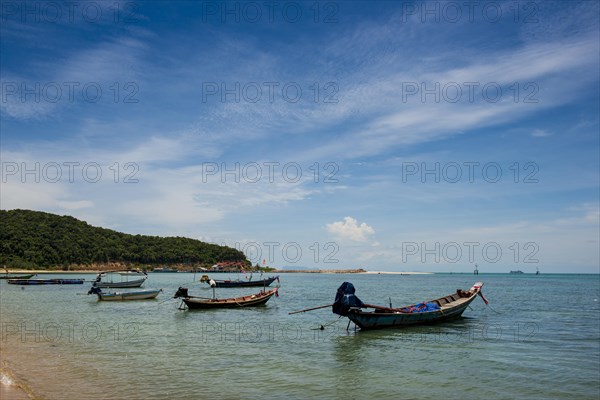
x=421 y=307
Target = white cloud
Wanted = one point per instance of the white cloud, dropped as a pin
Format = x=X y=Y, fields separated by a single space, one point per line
x=147 y=198
x=350 y=229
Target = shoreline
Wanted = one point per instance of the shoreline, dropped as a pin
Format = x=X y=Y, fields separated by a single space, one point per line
x=292 y=271
x=349 y=271
x=45 y=271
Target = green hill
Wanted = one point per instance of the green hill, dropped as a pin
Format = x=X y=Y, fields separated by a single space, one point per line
x=33 y=239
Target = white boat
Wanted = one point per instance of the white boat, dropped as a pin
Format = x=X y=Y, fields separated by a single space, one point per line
x=120 y=279
x=133 y=272
x=120 y=296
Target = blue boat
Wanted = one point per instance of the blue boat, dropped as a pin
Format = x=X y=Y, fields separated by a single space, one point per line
x=54 y=281
x=433 y=311
x=16 y=276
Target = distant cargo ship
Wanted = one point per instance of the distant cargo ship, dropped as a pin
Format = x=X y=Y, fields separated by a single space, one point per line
x=516 y=272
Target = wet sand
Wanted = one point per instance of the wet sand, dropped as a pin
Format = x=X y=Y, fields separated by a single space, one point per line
x=10 y=386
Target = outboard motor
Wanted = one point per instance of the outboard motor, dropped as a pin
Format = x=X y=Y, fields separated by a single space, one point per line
x=94 y=290
x=345 y=299
x=181 y=292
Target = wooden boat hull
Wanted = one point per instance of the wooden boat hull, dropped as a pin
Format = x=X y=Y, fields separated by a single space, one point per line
x=451 y=307
x=375 y=320
x=259 y=283
x=123 y=296
x=16 y=276
x=254 y=300
x=46 y=281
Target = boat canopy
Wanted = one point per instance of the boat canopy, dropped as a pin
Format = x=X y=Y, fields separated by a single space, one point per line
x=345 y=299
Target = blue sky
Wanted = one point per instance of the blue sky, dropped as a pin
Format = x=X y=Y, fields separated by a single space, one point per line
x=397 y=136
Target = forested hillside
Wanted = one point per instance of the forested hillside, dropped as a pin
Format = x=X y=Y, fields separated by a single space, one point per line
x=33 y=239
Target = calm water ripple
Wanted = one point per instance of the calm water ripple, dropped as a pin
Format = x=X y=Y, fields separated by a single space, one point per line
x=540 y=340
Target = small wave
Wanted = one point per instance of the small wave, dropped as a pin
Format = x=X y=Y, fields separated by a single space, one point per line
x=6 y=380
x=9 y=382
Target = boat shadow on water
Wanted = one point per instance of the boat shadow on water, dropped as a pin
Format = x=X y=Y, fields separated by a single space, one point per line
x=460 y=330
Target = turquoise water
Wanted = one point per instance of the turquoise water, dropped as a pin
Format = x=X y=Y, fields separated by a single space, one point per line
x=539 y=339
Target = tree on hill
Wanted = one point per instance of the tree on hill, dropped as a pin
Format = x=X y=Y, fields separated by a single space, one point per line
x=34 y=239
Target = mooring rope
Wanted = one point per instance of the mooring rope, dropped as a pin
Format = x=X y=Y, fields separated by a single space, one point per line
x=322 y=327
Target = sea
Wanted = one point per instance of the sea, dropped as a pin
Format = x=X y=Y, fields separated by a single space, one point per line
x=539 y=338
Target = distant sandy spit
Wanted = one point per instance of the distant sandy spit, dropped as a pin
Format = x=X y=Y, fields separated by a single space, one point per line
x=347 y=271
x=318 y=271
x=397 y=273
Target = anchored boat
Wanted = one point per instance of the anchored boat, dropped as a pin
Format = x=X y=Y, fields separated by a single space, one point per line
x=239 y=283
x=195 y=302
x=16 y=276
x=441 y=309
x=54 y=281
x=120 y=296
x=122 y=278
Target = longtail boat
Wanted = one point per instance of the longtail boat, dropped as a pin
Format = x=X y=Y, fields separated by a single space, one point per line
x=54 y=281
x=16 y=276
x=120 y=296
x=442 y=309
x=121 y=278
x=195 y=302
x=239 y=283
